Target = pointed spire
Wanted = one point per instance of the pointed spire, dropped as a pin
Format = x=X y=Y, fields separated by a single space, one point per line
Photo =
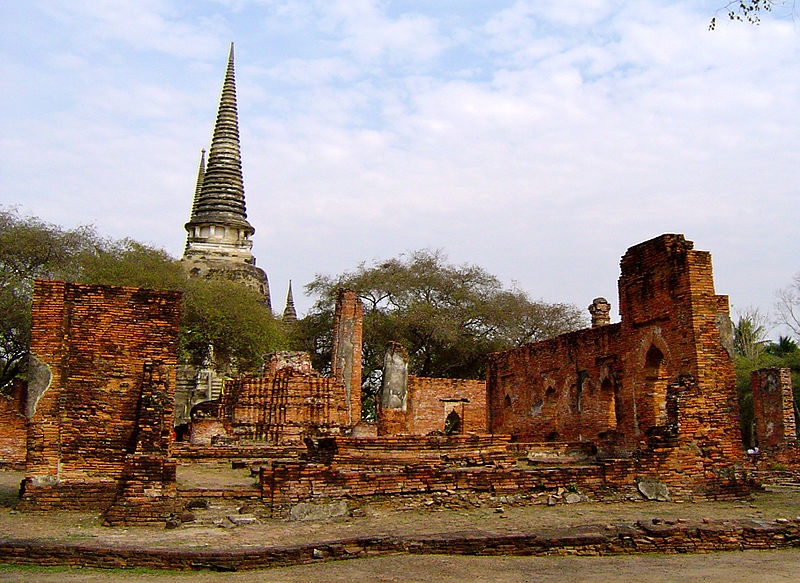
x=221 y=197
x=199 y=186
x=289 y=313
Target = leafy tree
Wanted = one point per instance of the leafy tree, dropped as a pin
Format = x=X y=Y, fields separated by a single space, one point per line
x=232 y=319
x=448 y=317
x=31 y=248
x=750 y=333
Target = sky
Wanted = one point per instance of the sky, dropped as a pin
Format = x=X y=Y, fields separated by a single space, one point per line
x=538 y=139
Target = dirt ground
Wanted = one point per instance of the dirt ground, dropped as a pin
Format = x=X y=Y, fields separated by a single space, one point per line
x=383 y=519
x=739 y=567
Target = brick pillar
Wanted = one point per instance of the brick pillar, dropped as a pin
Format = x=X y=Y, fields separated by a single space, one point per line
x=600 y=310
x=773 y=406
x=392 y=406
x=347 y=329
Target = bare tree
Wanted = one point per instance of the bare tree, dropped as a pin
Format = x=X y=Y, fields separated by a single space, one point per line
x=787 y=306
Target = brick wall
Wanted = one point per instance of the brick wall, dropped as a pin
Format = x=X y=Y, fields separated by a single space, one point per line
x=562 y=389
x=660 y=383
x=773 y=406
x=13 y=427
x=285 y=407
x=90 y=348
x=431 y=400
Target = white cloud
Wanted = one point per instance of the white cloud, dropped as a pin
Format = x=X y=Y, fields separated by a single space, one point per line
x=540 y=140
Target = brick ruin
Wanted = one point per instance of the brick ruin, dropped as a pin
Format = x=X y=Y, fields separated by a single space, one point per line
x=290 y=400
x=411 y=405
x=647 y=405
x=346 y=361
x=776 y=455
x=773 y=406
x=657 y=389
x=13 y=427
x=100 y=397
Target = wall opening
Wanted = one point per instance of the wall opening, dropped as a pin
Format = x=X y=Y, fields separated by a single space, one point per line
x=452 y=424
x=654 y=395
x=608 y=405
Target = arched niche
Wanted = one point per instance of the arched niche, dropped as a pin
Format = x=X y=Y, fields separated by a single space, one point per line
x=452 y=423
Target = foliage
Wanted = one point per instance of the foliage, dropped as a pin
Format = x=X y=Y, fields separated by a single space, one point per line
x=31 y=248
x=448 y=317
x=781 y=354
x=232 y=319
x=750 y=333
x=748 y=10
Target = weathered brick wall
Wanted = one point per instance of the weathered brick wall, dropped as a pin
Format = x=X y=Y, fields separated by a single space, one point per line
x=346 y=361
x=284 y=483
x=369 y=453
x=661 y=382
x=431 y=400
x=773 y=406
x=13 y=428
x=285 y=407
x=562 y=389
x=89 y=346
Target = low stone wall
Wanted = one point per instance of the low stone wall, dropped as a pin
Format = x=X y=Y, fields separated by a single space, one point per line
x=474 y=450
x=186 y=452
x=624 y=539
x=289 y=482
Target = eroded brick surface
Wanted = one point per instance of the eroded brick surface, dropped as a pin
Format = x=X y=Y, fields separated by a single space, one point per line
x=13 y=427
x=284 y=407
x=773 y=406
x=99 y=405
x=429 y=402
x=660 y=384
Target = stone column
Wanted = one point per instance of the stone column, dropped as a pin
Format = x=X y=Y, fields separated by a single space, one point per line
x=346 y=365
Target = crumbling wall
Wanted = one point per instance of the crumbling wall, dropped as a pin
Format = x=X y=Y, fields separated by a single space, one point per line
x=773 y=406
x=87 y=406
x=659 y=384
x=563 y=389
x=433 y=400
x=13 y=427
x=411 y=405
x=284 y=407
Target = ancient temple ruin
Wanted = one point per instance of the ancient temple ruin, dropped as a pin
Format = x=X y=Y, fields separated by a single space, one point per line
x=646 y=406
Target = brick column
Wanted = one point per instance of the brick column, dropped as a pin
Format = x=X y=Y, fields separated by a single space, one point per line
x=773 y=405
x=347 y=330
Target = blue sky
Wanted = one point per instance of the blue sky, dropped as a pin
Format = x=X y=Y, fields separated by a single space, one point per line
x=538 y=139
